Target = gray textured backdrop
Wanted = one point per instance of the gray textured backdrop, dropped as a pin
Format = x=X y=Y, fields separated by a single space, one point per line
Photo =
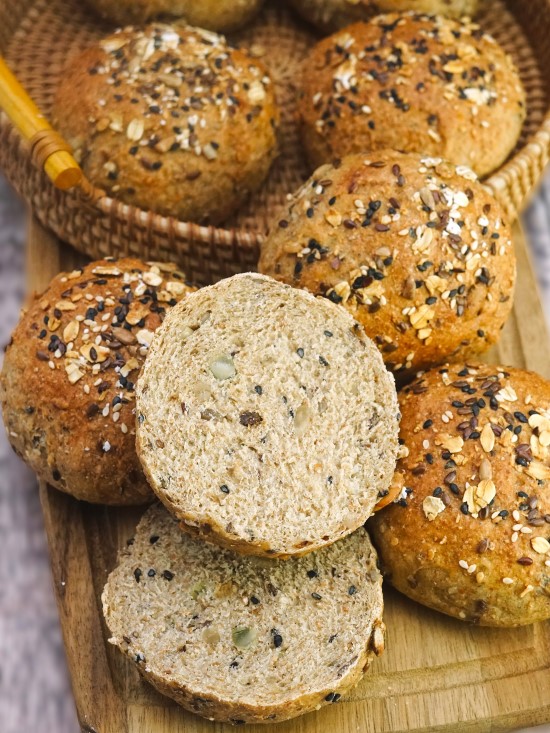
x=34 y=688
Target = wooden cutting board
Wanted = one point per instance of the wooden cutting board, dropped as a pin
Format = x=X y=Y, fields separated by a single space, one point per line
x=437 y=674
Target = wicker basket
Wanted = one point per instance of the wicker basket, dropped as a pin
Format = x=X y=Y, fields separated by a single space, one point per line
x=37 y=37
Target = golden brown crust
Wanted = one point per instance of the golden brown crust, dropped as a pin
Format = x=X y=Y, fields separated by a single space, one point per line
x=215 y=15
x=415 y=83
x=330 y=15
x=170 y=119
x=469 y=535
x=67 y=385
x=216 y=534
x=416 y=249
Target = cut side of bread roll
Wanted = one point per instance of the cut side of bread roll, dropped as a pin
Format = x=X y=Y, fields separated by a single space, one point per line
x=266 y=420
x=244 y=639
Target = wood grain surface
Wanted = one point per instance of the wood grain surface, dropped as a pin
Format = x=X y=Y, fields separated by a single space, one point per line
x=437 y=674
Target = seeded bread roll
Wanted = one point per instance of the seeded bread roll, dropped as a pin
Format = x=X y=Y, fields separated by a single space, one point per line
x=240 y=639
x=215 y=15
x=469 y=534
x=266 y=419
x=170 y=119
x=67 y=385
x=415 y=248
x=330 y=15
x=416 y=83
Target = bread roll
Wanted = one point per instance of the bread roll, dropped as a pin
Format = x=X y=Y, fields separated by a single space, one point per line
x=170 y=119
x=331 y=15
x=469 y=534
x=215 y=15
x=225 y=635
x=414 y=247
x=267 y=422
x=67 y=384
x=415 y=83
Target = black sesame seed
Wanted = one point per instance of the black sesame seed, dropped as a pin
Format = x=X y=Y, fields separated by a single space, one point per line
x=258 y=389
x=277 y=638
x=300 y=353
x=428 y=424
x=167 y=575
x=151 y=573
x=464 y=508
x=312 y=573
x=224 y=489
x=316 y=596
x=323 y=361
x=137 y=574
x=254 y=600
x=352 y=590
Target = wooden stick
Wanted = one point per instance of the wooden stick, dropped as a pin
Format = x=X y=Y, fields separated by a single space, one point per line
x=54 y=155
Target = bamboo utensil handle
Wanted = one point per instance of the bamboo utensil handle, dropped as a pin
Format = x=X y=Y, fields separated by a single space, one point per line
x=48 y=149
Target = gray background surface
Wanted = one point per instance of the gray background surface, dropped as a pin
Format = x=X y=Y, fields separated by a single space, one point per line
x=34 y=687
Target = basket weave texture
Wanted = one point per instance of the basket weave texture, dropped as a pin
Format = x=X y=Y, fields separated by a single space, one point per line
x=37 y=37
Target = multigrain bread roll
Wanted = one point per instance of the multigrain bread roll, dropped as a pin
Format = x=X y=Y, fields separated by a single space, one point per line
x=266 y=419
x=170 y=119
x=469 y=534
x=414 y=247
x=240 y=639
x=412 y=82
x=215 y=15
x=331 y=15
x=67 y=385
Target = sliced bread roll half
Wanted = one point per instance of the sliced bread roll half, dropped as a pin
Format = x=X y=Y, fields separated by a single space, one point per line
x=267 y=422
x=244 y=639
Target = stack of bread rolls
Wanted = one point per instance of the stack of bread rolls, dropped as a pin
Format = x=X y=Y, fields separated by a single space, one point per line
x=266 y=423
x=260 y=414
